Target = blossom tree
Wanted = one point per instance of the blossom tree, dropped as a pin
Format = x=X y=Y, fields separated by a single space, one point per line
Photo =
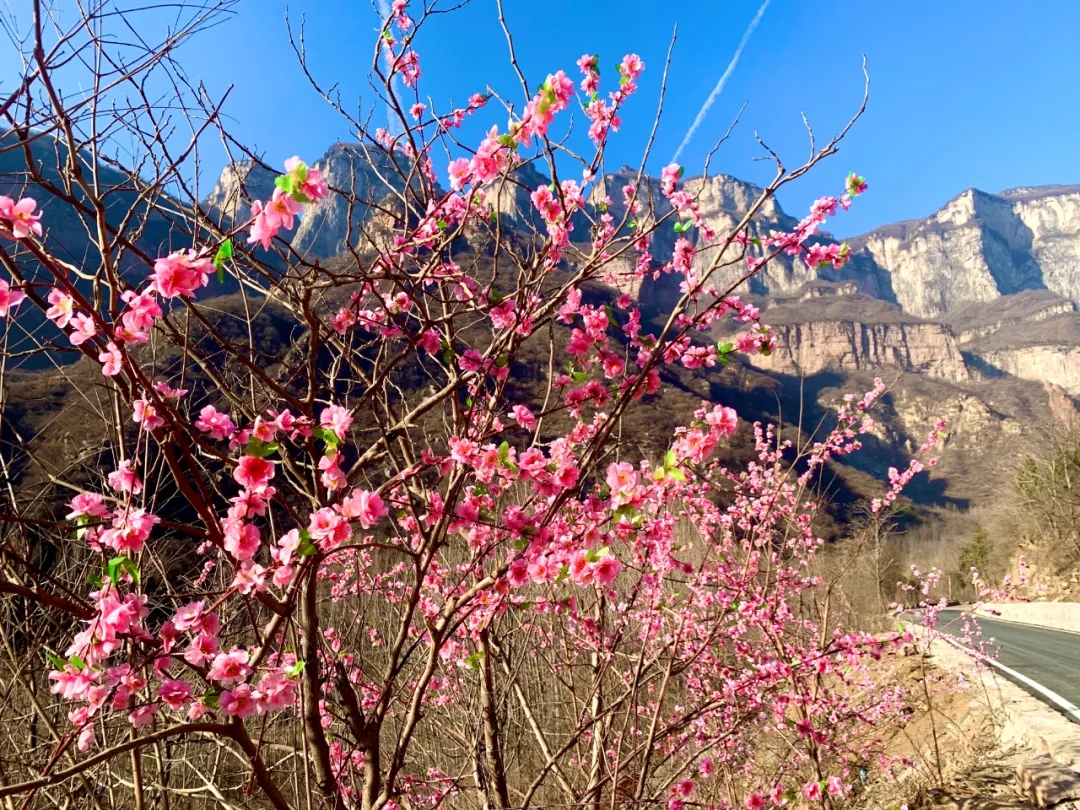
x=404 y=556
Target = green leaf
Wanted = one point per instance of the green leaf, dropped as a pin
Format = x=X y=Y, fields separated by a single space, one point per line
x=284 y=182
x=121 y=566
x=77 y=662
x=224 y=253
x=468 y=402
x=601 y=207
x=596 y=554
x=658 y=474
x=670 y=460
x=306 y=547
x=259 y=448
x=94 y=580
x=610 y=316
x=756 y=241
x=475 y=659
x=296 y=669
x=326 y=435
x=56 y=661
x=580 y=376
x=676 y=474
x=441 y=225
x=504 y=453
x=448 y=356
x=211 y=699
x=502 y=361
x=725 y=348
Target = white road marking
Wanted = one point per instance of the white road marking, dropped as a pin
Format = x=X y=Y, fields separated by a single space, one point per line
x=1066 y=706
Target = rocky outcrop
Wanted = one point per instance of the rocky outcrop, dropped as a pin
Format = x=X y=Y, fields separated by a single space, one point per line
x=723 y=202
x=1058 y=365
x=810 y=348
x=979 y=247
x=360 y=177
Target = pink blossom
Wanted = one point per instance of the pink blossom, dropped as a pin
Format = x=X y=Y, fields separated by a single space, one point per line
x=631 y=66
x=328 y=528
x=124 y=479
x=307 y=180
x=143 y=716
x=523 y=416
x=147 y=415
x=217 y=424
x=606 y=569
x=203 y=648
x=518 y=573
x=755 y=801
x=87 y=504
x=242 y=540
x=9 y=298
x=459 y=172
x=62 y=307
x=192 y=616
x=281 y=210
x=181 y=274
x=336 y=419
x=811 y=791
x=430 y=341
x=263 y=230
x=365 y=507
x=250 y=578
x=111 y=360
x=238 y=702
x=174 y=694
x=142 y=310
x=20 y=216
x=669 y=178
x=253 y=472
x=83 y=328
x=230 y=668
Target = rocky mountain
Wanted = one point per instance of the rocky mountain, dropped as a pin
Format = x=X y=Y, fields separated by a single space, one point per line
x=979 y=247
x=970 y=313
x=325 y=228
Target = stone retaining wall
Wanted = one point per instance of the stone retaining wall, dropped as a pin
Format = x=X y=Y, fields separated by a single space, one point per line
x=1055 y=615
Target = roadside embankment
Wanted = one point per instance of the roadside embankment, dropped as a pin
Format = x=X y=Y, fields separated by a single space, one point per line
x=1054 y=615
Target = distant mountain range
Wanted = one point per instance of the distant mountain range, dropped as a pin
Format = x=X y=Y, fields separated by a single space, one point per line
x=970 y=313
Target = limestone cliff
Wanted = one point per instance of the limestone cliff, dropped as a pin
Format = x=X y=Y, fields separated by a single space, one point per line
x=979 y=247
x=810 y=348
x=358 y=175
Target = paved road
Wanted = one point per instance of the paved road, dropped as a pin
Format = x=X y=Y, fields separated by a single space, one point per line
x=1049 y=657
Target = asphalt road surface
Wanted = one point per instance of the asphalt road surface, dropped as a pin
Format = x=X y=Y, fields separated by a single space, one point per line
x=1049 y=657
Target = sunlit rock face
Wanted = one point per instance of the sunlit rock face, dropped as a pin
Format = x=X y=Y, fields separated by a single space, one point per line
x=979 y=247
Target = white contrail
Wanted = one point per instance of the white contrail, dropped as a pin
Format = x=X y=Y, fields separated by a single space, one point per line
x=716 y=91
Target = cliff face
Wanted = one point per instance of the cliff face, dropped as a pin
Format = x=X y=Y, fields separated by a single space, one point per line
x=979 y=247
x=359 y=174
x=810 y=348
x=1057 y=365
x=723 y=202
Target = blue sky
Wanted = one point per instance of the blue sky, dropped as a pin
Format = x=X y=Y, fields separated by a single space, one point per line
x=982 y=93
